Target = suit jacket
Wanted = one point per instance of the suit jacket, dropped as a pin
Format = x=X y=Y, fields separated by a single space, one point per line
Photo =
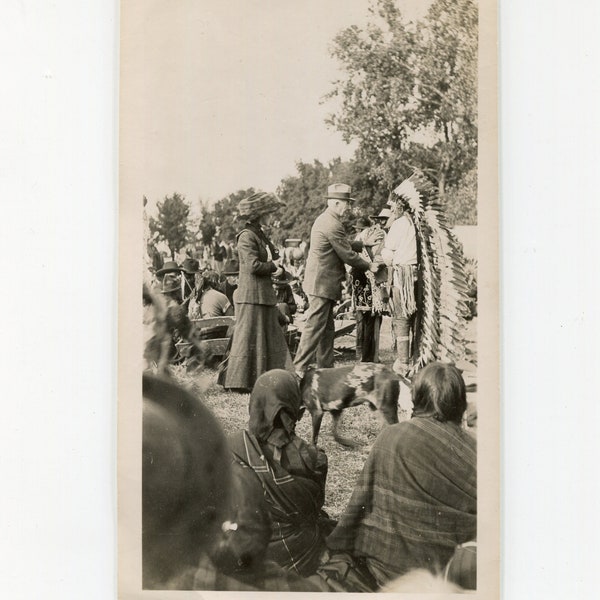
x=329 y=250
x=254 y=285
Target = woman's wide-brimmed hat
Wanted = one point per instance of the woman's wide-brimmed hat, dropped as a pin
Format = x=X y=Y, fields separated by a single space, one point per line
x=257 y=205
x=231 y=267
x=169 y=267
x=171 y=283
x=339 y=191
x=190 y=265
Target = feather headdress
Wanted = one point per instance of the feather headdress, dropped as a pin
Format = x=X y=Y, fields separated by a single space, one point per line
x=440 y=326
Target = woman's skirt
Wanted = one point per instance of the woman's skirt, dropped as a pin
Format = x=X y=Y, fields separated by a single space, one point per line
x=258 y=345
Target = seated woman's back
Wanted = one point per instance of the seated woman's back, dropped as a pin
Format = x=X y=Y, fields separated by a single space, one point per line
x=416 y=498
x=209 y=302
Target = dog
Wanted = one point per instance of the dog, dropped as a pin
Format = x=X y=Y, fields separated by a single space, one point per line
x=335 y=389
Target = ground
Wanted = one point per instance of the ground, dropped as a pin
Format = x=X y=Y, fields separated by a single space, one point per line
x=358 y=423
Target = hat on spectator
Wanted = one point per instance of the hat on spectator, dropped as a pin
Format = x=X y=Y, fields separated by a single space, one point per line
x=190 y=265
x=231 y=267
x=384 y=215
x=361 y=223
x=285 y=277
x=169 y=267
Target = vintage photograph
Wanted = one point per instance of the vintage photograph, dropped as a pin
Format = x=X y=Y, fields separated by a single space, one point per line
x=308 y=380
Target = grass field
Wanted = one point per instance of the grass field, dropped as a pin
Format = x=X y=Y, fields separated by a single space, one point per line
x=359 y=423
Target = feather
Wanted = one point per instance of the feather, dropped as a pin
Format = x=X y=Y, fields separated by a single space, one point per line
x=443 y=306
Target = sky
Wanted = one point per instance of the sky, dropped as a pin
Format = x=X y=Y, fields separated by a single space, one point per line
x=223 y=95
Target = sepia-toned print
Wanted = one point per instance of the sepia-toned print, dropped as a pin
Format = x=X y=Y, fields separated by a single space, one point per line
x=308 y=386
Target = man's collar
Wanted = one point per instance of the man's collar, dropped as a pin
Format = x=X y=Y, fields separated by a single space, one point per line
x=332 y=213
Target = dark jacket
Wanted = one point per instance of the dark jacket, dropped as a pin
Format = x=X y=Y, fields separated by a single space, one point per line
x=254 y=285
x=329 y=250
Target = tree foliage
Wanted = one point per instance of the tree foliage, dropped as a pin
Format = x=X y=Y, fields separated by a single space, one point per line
x=409 y=95
x=220 y=221
x=304 y=195
x=172 y=223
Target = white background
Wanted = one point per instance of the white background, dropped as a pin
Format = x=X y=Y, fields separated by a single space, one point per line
x=58 y=184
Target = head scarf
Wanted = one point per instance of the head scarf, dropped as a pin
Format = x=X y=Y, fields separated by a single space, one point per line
x=274 y=407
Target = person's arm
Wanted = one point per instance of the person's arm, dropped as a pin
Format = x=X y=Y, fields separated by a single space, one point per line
x=248 y=253
x=342 y=247
x=225 y=306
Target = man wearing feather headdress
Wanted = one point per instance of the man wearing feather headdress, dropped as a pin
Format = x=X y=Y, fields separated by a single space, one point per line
x=428 y=295
x=400 y=255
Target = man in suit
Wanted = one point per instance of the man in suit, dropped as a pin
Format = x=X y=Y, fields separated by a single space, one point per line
x=329 y=250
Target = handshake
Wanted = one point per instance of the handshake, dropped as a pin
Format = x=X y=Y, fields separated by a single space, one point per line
x=375 y=266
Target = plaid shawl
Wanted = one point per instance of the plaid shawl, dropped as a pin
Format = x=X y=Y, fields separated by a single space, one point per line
x=415 y=500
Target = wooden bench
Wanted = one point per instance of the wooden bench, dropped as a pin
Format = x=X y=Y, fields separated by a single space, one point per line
x=214 y=333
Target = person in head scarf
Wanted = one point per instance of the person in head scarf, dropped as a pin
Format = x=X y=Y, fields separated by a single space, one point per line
x=258 y=343
x=291 y=472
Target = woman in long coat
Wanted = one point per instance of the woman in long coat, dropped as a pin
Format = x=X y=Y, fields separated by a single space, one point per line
x=258 y=343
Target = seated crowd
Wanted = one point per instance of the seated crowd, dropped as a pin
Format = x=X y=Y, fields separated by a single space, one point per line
x=246 y=513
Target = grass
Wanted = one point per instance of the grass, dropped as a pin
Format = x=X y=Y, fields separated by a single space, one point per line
x=359 y=423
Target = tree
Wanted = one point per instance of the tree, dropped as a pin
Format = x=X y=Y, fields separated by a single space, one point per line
x=409 y=97
x=446 y=80
x=377 y=93
x=225 y=211
x=207 y=225
x=172 y=223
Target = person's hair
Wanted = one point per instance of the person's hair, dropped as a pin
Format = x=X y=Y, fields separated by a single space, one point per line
x=207 y=280
x=439 y=391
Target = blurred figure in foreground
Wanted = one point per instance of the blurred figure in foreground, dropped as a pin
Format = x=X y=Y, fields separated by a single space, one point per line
x=201 y=528
x=185 y=484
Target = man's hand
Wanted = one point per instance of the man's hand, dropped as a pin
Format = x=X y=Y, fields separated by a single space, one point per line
x=375 y=266
x=373 y=236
